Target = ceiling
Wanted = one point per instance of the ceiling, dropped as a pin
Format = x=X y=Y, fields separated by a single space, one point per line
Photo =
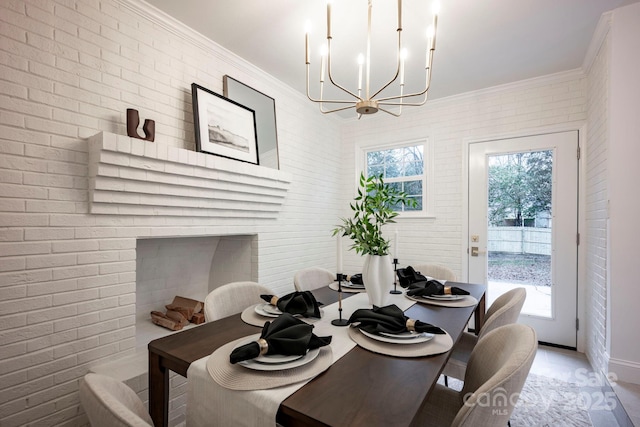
x=480 y=43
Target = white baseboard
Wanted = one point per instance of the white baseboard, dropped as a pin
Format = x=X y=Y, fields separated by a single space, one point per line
x=624 y=370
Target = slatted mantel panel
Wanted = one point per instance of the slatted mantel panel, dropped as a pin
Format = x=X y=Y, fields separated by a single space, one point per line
x=129 y=176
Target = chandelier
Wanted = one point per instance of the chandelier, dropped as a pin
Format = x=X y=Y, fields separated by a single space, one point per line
x=365 y=102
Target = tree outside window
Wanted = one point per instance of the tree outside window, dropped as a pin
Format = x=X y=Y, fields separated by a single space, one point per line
x=520 y=187
x=402 y=168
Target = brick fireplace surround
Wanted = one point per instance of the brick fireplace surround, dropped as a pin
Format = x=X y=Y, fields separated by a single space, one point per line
x=134 y=178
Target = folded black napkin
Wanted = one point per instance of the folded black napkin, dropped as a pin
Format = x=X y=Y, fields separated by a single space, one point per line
x=356 y=279
x=299 y=302
x=433 y=287
x=407 y=276
x=286 y=335
x=389 y=319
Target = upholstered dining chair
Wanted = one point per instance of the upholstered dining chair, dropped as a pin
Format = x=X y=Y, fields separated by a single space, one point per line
x=436 y=271
x=111 y=403
x=503 y=311
x=232 y=298
x=496 y=372
x=312 y=278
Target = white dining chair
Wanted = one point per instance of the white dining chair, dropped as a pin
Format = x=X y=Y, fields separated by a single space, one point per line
x=436 y=271
x=496 y=372
x=232 y=298
x=312 y=278
x=503 y=311
x=111 y=403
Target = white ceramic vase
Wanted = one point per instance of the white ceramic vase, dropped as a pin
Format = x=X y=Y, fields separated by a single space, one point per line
x=377 y=275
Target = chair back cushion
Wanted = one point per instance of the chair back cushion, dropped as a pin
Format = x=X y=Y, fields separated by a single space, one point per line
x=497 y=369
x=111 y=403
x=436 y=271
x=504 y=310
x=232 y=298
x=312 y=278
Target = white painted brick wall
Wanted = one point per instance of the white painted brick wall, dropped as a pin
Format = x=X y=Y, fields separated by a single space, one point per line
x=596 y=208
x=517 y=109
x=68 y=70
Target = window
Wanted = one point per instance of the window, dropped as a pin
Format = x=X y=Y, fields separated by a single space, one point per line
x=403 y=166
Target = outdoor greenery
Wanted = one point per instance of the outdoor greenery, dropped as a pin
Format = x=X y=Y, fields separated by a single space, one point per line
x=372 y=208
x=403 y=168
x=519 y=186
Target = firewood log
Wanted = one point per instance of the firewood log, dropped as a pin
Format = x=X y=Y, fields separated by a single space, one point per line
x=177 y=316
x=161 y=319
x=197 y=318
x=187 y=306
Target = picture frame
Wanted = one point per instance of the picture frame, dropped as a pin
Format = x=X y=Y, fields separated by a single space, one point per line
x=265 y=114
x=224 y=127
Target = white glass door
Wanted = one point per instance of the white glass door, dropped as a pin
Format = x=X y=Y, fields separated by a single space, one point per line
x=523 y=216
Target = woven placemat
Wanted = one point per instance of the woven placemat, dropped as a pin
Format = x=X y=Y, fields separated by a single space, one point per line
x=250 y=316
x=237 y=377
x=467 y=301
x=334 y=286
x=439 y=344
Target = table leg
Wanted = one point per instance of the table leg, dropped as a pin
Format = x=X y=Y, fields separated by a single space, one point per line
x=158 y=391
x=479 y=314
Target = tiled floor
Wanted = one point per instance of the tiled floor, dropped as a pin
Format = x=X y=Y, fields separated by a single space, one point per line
x=574 y=367
x=629 y=395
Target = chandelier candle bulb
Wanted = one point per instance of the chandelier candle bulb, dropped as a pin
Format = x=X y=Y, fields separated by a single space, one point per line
x=329 y=19
x=403 y=55
x=307 y=54
x=433 y=34
x=323 y=56
x=360 y=62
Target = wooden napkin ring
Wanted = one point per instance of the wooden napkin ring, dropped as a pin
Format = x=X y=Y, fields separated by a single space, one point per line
x=411 y=325
x=274 y=301
x=447 y=290
x=264 y=346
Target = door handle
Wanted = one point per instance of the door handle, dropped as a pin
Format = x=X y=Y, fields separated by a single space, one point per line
x=475 y=251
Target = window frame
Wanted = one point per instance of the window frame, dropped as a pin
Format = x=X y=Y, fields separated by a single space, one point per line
x=427 y=177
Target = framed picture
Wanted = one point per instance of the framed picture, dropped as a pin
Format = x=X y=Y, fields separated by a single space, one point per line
x=265 y=109
x=223 y=127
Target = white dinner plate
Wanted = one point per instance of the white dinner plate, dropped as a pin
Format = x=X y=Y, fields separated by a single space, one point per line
x=267 y=310
x=352 y=286
x=300 y=361
x=444 y=297
x=419 y=338
x=276 y=359
x=272 y=309
x=403 y=335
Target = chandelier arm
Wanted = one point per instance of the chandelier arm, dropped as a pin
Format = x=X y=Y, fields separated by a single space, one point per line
x=409 y=95
x=389 y=112
x=328 y=101
x=406 y=104
x=331 y=75
x=336 y=109
x=397 y=69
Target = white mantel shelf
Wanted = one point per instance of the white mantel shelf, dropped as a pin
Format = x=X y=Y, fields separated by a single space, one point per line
x=129 y=176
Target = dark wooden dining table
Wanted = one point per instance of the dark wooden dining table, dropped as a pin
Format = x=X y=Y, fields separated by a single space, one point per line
x=360 y=389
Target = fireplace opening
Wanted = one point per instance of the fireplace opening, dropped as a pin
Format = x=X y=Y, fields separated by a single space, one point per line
x=189 y=267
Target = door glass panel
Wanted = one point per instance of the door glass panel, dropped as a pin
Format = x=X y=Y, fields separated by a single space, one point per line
x=519 y=227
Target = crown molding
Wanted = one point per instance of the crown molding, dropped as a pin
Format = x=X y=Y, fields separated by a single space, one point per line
x=191 y=36
x=598 y=38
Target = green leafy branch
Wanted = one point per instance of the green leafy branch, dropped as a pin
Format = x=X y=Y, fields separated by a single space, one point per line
x=372 y=208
